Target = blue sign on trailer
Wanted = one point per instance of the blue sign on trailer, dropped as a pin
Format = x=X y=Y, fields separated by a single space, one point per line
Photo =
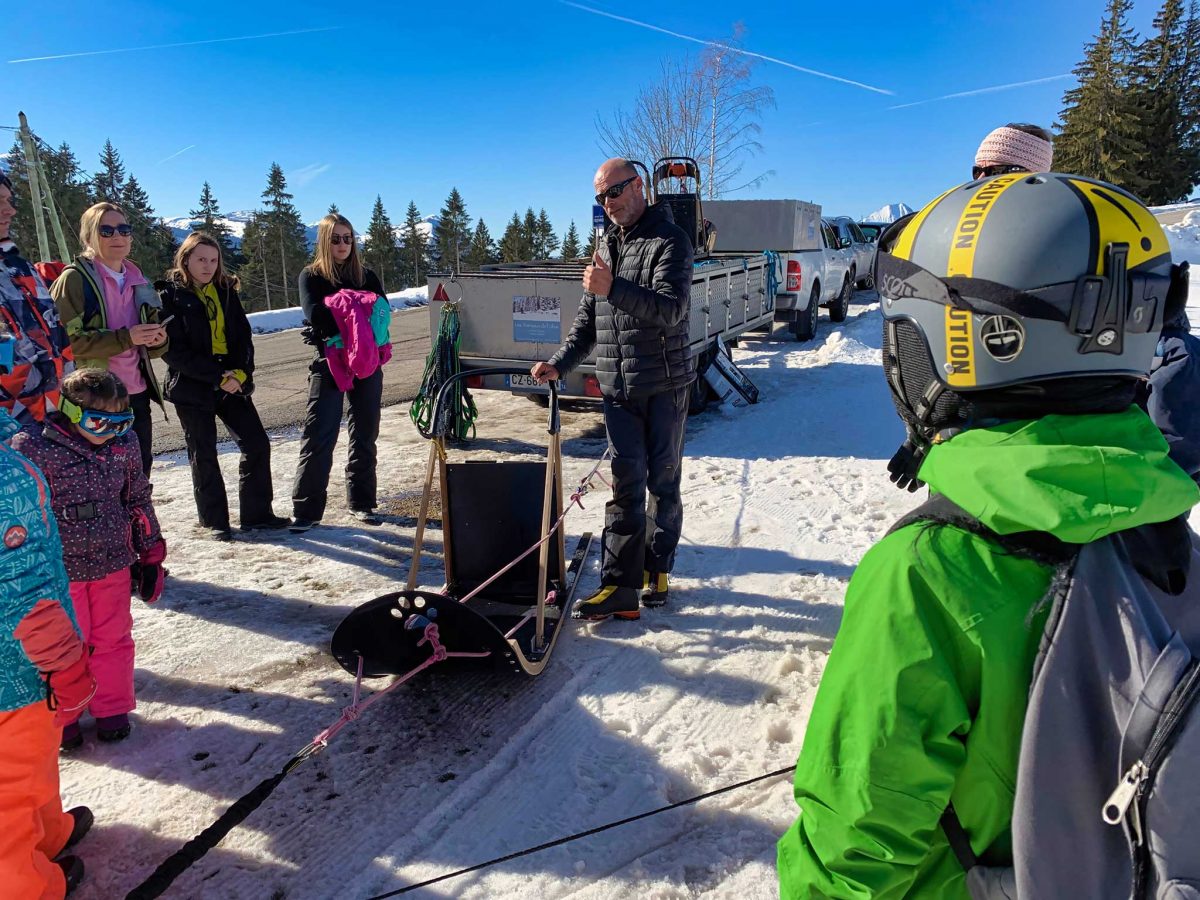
x=597 y=217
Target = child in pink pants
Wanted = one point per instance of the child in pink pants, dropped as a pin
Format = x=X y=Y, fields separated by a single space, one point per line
x=112 y=545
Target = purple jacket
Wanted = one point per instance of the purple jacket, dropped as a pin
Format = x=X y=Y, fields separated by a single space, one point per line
x=362 y=344
x=99 y=496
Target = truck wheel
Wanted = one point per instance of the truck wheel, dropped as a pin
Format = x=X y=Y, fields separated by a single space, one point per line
x=804 y=328
x=698 y=396
x=841 y=306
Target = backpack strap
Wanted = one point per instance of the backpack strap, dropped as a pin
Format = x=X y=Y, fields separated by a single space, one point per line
x=92 y=307
x=956 y=836
x=1040 y=546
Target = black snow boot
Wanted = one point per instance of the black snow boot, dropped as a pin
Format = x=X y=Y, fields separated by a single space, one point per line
x=607 y=602
x=83 y=824
x=72 y=869
x=654 y=592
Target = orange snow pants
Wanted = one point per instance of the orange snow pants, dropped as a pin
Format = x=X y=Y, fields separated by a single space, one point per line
x=33 y=826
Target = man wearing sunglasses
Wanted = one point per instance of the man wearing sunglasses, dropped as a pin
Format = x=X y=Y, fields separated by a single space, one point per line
x=634 y=313
x=1015 y=147
x=41 y=349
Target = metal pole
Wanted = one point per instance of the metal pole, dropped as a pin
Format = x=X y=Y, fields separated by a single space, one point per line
x=35 y=190
x=64 y=252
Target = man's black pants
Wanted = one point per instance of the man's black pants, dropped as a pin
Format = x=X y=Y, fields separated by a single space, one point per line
x=254 y=471
x=322 y=422
x=644 y=518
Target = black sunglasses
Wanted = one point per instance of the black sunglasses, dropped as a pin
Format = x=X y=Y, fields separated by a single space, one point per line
x=615 y=191
x=978 y=172
x=108 y=231
x=346 y=239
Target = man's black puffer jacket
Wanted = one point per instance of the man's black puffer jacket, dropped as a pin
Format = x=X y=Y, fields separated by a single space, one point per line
x=640 y=331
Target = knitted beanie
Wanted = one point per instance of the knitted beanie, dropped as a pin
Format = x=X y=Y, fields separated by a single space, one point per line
x=1013 y=147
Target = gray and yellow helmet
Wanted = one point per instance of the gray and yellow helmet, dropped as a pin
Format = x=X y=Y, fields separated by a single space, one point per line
x=1015 y=280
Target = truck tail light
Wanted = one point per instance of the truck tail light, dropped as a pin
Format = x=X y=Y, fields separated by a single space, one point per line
x=793 y=276
x=475 y=381
x=591 y=387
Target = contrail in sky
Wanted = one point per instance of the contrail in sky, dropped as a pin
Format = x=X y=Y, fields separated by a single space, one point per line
x=175 y=154
x=247 y=37
x=986 y=90
x=696 y=40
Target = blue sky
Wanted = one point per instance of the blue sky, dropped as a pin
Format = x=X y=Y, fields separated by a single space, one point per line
x=500 y=99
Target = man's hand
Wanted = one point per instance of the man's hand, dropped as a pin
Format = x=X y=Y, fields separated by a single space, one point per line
x=230 y=384
x=598 y=277
x=543 y=372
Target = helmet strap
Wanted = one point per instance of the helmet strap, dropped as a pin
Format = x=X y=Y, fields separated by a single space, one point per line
x=1106 y=331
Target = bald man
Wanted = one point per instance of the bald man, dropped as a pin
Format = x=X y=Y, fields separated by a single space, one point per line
x=634 y=313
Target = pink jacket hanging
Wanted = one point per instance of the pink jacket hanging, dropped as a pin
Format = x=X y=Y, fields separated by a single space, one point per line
x=361 y=346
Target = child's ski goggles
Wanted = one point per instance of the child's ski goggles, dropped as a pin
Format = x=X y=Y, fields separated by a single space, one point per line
x=97 y=422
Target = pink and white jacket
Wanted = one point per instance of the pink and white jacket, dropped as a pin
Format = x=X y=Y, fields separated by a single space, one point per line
x=362 y=344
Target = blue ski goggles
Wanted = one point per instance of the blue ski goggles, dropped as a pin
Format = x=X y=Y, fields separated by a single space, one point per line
x=97 y=422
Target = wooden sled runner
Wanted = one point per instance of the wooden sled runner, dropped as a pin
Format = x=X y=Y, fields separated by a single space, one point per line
x=503 y=613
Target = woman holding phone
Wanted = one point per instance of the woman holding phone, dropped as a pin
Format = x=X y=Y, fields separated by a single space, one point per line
x=111 y=314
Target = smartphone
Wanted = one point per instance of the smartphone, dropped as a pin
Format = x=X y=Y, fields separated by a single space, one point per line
x=163 y=322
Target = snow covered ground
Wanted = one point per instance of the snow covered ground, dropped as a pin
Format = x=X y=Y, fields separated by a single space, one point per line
x=782 y=499
x=233 y=676
x=293 y=316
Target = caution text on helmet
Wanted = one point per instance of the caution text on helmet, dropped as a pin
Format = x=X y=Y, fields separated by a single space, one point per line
x=970 y=223
x=960 y=350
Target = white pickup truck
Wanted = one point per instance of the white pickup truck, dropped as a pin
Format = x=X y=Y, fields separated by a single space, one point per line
x=816 y=267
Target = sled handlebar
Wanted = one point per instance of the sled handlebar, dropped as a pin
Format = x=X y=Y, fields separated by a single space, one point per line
x=552 y=424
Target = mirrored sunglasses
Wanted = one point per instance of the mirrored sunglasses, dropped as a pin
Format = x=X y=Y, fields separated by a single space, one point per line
x=108 y=231
x=105 y=424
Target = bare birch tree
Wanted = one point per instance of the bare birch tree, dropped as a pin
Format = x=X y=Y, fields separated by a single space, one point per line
x=704 y=107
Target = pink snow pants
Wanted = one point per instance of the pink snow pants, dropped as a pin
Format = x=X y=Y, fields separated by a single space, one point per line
x=103 y=613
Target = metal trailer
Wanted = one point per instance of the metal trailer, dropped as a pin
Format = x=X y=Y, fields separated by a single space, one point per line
x=520 y=313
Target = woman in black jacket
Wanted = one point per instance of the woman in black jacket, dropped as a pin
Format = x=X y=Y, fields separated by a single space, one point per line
x=336 y=265
x=210 y=368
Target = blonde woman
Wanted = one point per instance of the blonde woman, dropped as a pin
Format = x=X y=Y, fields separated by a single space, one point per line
x=210 y=376
x=336 y=266
x=111 y=314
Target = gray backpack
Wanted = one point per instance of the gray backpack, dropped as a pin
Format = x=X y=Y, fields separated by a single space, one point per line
x=1108 y=783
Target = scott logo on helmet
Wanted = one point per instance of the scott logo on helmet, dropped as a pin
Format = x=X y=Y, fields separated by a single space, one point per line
x=960 y=353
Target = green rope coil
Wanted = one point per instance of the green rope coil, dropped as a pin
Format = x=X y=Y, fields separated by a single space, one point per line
x=459 y=412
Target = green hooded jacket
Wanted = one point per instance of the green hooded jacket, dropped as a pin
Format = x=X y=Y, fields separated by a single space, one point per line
x=923 y=698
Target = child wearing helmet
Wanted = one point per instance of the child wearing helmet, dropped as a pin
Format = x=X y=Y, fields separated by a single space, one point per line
x=1021 y=314
x=111 y=542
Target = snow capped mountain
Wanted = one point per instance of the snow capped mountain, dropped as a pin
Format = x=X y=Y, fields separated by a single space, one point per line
x=181 y=227
x=889 y=213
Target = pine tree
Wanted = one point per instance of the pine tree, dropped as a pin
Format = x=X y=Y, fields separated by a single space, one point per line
x=547 y=240
x=275 y=246
x=529 y=236
x=1101 y=132
x=482 y=250
x=414 y=247
x=512 y=242
x=109 y=183
x=333 y=210
x=1168 y=66
x=208 y=218
x=379 y=249
x=570 y=244
x=153 y=243
x=453 y=232
x=590 y=249
x=67 y=183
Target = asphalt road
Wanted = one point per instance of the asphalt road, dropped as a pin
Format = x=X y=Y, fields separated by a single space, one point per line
x=281 y=376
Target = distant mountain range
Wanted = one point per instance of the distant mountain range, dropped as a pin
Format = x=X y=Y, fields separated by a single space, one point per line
x=889 y=213
x=181 y=227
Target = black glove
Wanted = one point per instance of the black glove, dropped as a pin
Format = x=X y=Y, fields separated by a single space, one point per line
x=904 y=465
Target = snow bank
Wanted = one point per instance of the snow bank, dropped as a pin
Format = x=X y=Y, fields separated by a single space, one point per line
x=293 y=317
x=1184 y=237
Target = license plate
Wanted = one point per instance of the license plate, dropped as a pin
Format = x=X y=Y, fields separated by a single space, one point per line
x=526 y=383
